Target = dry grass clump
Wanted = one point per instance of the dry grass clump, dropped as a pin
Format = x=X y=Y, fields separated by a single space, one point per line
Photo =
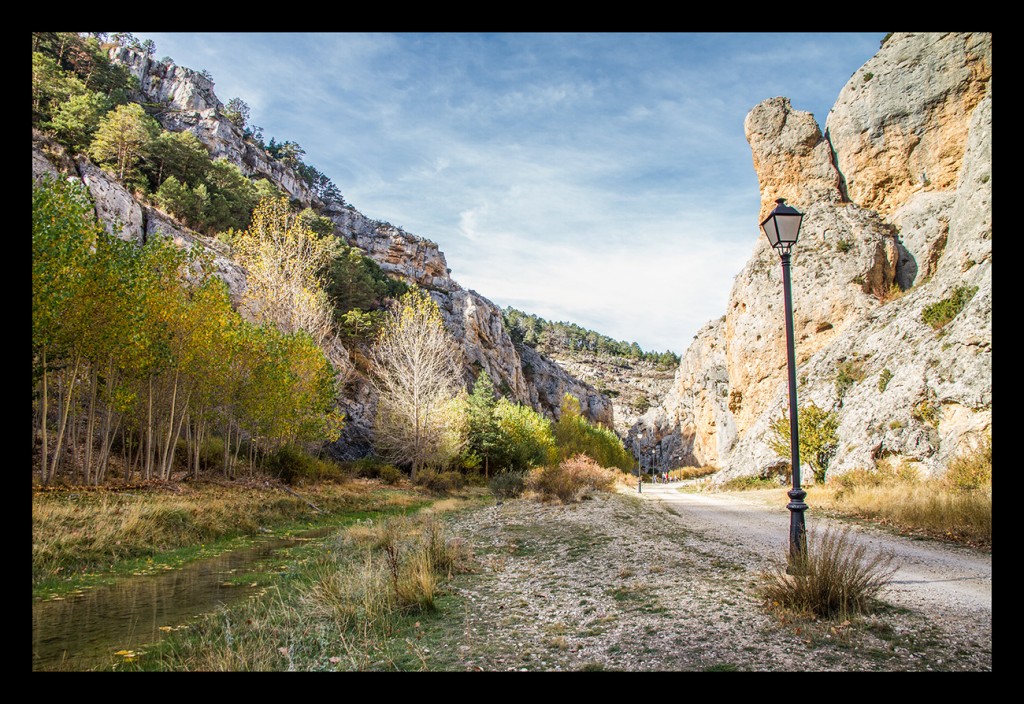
x=684 y=473
x=832 y=579
x=972 y=471
x=571 y=480
x=957 y=505
x=386 y=568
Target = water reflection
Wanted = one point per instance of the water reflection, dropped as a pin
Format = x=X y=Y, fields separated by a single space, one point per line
x=83 y=631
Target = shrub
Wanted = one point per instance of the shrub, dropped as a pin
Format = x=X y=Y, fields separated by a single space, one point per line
x=848 y=373
x=389 y=474
x=817 y=431
x=844 y=246
x=692 y=472
x=507 y=485
x=575 y=435
x=940 y=313
x=833 y=578
x=440 y=482
x=926 y=413
x=571 y=480
x=293 y=465
x=888 y=472
x=971 y=471
x=367 y=467
x=735 y=401
x=884 y=378
x=749 y=483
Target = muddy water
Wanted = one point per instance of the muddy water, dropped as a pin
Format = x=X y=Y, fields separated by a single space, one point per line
x=83 y=631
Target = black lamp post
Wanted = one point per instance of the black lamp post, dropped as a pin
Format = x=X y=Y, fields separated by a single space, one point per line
x=639 y=451
x=782 y=227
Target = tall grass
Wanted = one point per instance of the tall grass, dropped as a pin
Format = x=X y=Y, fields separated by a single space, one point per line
x=88 y=530
x=344 y=603
x=832 y=579
x=957 y=505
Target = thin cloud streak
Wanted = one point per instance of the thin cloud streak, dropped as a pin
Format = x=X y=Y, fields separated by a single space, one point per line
x=602 y=179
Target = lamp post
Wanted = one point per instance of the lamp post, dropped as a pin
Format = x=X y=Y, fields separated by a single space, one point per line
x=639 y=451
x=782 y=227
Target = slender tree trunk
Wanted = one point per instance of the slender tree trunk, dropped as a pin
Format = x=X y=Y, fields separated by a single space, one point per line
x=107 y=437
x=42 y=464
x=90 y=425
x=63 y=421
x=238 y=445
x=177 y=434
x=149 y=431
x=198 y=446
x=188 y=446
x=227 y=448
x=108 y=442
x=164 y=466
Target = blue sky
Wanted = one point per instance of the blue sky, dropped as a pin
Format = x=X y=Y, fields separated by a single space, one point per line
x=601 y=179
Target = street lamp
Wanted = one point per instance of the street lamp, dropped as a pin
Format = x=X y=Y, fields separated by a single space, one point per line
x=639 y=451
x=782 y=227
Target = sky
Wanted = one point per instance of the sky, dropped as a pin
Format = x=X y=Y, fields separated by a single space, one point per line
x=601 y=179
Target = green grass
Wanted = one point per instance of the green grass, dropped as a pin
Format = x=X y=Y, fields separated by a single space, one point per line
x=942 y=312
x=374 y=601
x=81 y=538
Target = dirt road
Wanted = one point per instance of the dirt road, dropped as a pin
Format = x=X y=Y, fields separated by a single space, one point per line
x=947 y=581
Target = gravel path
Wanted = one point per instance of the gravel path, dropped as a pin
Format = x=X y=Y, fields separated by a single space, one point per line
x=668 y=581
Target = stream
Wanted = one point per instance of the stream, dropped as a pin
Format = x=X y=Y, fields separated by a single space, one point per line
x=85 y=629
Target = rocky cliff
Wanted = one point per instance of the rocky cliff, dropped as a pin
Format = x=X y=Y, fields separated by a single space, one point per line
x=897 y=203
x=183 y=99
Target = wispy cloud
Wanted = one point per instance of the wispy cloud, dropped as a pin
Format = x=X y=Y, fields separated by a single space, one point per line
x=602 y=179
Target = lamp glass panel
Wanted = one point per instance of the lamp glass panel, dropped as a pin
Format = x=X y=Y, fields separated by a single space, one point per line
x=771 y=230
x=789 y=227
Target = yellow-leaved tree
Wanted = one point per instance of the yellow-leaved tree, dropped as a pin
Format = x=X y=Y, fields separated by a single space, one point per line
x=285 y=263
x=420 y=412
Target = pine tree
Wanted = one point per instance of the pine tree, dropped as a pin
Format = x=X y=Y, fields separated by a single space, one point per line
x=481 y=421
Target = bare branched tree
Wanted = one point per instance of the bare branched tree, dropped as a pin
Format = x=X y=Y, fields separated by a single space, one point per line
x=416 y=374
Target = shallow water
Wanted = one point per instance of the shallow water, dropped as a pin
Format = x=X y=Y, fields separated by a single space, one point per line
x=84 y=630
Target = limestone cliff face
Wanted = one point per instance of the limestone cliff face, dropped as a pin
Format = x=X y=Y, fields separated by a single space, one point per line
x=188 y=102
x=900 y=124
x=874 y=252
x=631 y=384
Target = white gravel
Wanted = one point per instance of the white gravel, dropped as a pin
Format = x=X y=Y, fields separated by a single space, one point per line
x=668 y=581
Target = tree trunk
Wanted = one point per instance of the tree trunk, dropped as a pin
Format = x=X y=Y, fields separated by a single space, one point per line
x=165 y=471
x=108 y=442
x=177 y=434
x=149 y=431
x=90 y=425
x=42 y=463
x=63 y=422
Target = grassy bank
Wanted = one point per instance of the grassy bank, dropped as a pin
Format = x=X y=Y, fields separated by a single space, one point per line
x=366 y=602
x=80 y=537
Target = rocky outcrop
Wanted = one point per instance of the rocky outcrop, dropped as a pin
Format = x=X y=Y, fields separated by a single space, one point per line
x=791 y=155
x=184 y=100
x=632 y=385
x=900 y=124
x=548 y=383
x=863 y=273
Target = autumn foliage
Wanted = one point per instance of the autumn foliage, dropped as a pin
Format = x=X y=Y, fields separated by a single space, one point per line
x=137 y=348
